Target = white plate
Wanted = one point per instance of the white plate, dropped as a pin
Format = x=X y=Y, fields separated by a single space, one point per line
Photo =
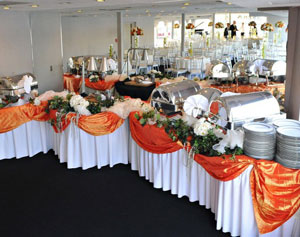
x=292 y=132
x=258 y=127
x=286 y=122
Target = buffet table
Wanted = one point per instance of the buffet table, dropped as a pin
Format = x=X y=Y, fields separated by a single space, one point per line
x=72 y=82
x=248 y=196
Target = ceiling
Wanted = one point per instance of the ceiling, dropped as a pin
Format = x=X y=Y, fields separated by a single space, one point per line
x=143 y=7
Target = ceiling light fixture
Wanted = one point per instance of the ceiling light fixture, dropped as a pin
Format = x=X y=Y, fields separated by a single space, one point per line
x=79 y=11
x=183 y=7
x=6 y=8
x=34 y=5
x=229 y=3
x=186 y=4
x=100 y=0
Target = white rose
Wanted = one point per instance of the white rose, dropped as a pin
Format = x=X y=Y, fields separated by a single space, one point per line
x=36 y=102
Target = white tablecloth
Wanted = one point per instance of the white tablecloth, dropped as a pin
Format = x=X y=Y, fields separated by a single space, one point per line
x=80 y=149
x=27 y=140
x=230 y=201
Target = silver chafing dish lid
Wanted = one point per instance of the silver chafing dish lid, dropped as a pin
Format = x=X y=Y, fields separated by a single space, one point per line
x=268 y=67
x=13 y=82
x=175 y=93
x=242 y=68
x=245 y=107
x=218 y=69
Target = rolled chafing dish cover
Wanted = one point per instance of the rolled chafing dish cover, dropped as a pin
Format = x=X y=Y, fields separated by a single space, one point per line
x=242 y=68
x=233 y=111
x=170 y=97
x=14 y=86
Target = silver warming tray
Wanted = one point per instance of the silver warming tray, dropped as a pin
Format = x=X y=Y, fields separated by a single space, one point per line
x=242 y=71
x=170 y=97
x=219 y=71
x=233 y=111
x=12 y=86
x=273 y=69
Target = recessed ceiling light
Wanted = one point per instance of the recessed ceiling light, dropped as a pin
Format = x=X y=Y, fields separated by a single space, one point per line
x=34 y=5
x=6 y=8
x=186 y=4
x=183 y=7
x=100 y=0
x=229 y=3
x=79 y=11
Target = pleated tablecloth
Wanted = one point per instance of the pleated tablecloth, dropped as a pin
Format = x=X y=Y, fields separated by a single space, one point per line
x=231 y=201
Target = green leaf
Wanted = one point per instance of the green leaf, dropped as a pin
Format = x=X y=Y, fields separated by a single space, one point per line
x=137 y=116
x=143 y=121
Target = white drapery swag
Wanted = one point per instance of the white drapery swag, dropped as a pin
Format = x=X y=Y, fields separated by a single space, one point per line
x=231 y=201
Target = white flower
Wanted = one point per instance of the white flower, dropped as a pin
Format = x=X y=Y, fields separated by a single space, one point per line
x=219 y=133
x=75 y=100
x=146 y=108
x=202 y=127
x=37 y=102
x=0 y=101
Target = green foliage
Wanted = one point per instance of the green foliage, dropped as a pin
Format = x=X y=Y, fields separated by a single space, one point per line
x=94 y=108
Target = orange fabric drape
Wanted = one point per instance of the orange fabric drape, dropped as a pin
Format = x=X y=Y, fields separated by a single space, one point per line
x=275 y=189
x=100 y=85
x=151 y=138
x=275 y=194
x=96 y=125
x=13 y=117
x=100 y=124
x=72 y=83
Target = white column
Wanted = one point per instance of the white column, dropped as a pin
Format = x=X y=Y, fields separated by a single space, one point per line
x=182 y=33
x=292 y=89
x=172 y=30
x=120 y=41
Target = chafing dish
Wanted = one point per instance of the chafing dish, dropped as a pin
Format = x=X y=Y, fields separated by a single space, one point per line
x=271 y=69
x=219 y=71
x=74 y=64
x=14 y=85
x=242 y=71
x=170 y=97
x=210 y=93
x=233 y=111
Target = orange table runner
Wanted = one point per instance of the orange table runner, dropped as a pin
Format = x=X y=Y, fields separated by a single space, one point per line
x=96 y=125
x=13 y=117
x=275 y=189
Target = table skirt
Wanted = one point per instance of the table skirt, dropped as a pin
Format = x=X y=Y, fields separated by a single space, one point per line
x=26 y=140
x=230 y=201
x=80 y=149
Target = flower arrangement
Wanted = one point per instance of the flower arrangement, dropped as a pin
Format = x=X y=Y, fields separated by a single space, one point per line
x=76 y=104
x=190 y=26
x=210 y=24
x=137 y=31
x=176 y=26
x=219 y=25
x=252 y=23
x=199 y=136
x=267 y=27
x=279 y=24
x=94 y=78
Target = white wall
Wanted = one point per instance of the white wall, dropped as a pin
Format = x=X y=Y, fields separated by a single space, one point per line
x=15 y=44
x=90 y=35
x=47 y=50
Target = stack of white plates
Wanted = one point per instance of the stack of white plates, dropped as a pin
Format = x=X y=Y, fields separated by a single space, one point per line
x=285 y=122
x=259 y=140
x=288 y=146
